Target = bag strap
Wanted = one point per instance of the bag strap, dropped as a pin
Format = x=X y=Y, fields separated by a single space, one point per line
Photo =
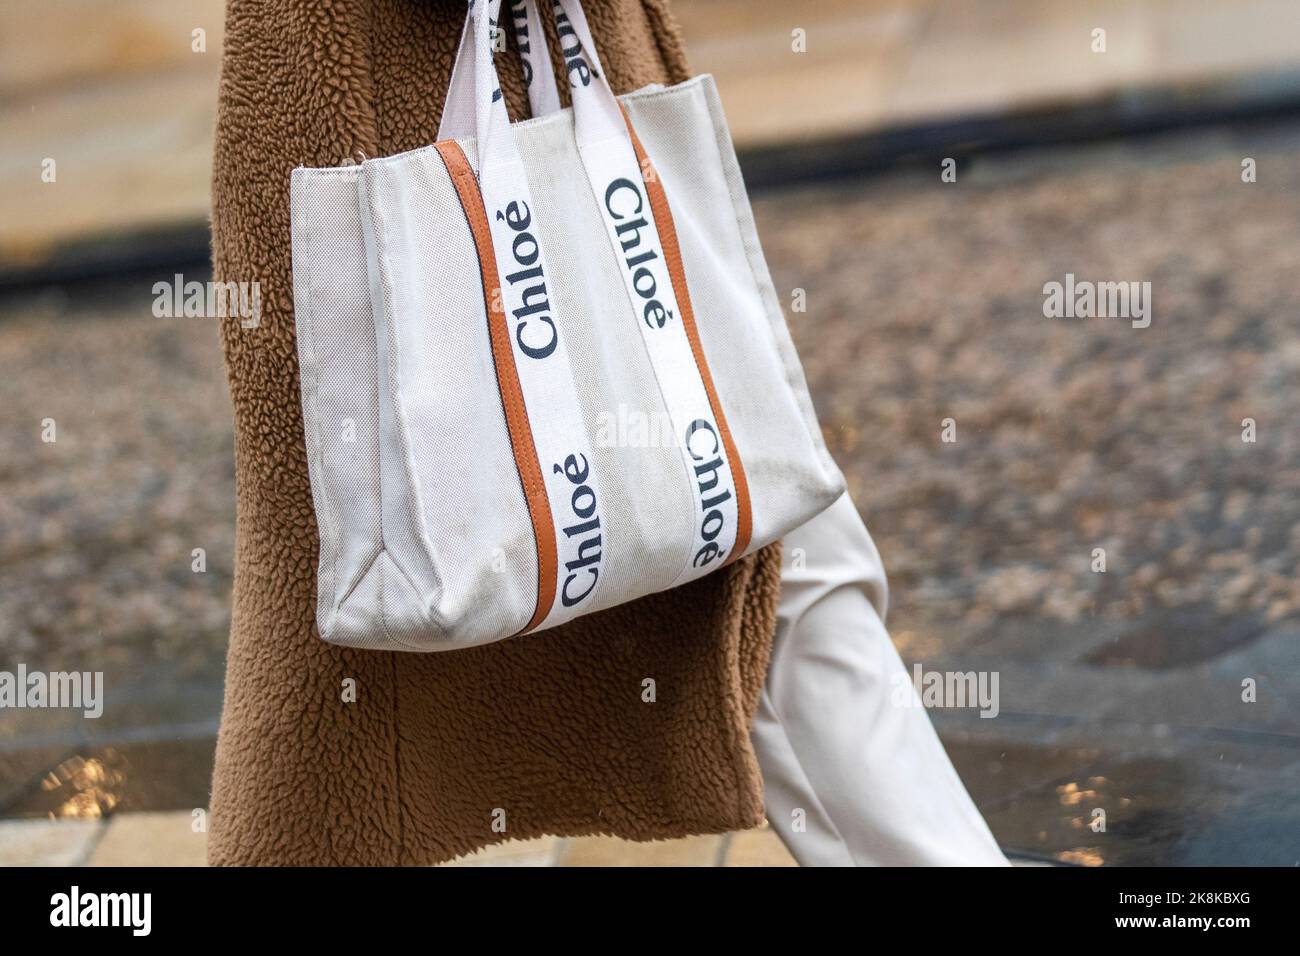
x=596 y=111
x=535 y=54
x=643 y=236
x=641 y=231
x=544 y=414
x=474 y=104
x=457 y=119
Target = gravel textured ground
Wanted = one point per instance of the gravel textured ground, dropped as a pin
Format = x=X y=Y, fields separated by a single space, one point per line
x=99 y=526
x=924 y=302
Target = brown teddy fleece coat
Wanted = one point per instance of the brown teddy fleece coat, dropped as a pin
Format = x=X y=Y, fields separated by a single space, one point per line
x=546 y=734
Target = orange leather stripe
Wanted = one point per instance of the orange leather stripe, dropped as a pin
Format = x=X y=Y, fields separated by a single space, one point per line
x=673 y=256
x=512 y=395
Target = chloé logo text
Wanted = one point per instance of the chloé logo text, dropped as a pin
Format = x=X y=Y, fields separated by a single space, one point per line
x=624 y=200
x=575 y=64
x=534 y=328
x=706 y=450
x=581 y=534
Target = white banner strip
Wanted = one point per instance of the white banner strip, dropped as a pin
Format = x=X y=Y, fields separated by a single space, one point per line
x=539 y=73
x=619 y=189
x=537 y=334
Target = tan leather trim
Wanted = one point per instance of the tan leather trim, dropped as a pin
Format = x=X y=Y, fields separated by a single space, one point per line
x=512 y=395
x=673 y=257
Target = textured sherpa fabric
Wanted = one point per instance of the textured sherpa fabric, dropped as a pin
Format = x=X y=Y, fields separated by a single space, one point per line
x=546 y=734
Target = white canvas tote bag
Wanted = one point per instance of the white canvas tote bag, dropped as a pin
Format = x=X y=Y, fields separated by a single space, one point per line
x=544 y=370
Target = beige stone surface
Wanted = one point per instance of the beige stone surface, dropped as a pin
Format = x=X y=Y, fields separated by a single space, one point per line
x=122 y=102
x=761 y=847
x=874 y=63
x=126 y=155
x=48 y=47
x=539 y=852
x=151 y=839
x=47 y=842
x=609 y=851
x=115 y=94
x=852 y=55
x=166 y=839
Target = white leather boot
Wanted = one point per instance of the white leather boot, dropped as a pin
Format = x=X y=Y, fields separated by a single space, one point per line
x=853 y=779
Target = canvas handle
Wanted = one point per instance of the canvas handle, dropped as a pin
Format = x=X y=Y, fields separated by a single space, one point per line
x=560 y=474
x=641 y=232
x=475 y=90
x=535 y=56
x=458 y=114
x=457 y=120
x=597 y=114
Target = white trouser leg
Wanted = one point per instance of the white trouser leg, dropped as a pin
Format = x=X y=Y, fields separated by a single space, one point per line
x=871 y=778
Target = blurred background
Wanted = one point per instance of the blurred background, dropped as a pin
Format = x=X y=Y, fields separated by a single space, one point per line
x=1163 y=689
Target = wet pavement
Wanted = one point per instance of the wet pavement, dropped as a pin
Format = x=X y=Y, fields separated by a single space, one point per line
x=1119 y=691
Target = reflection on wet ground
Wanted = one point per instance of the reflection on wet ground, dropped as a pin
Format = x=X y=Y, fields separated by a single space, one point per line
x=151 y=750
x=1091 y=807
x=1071 y=804
x=125 y=778
x=1147 y=712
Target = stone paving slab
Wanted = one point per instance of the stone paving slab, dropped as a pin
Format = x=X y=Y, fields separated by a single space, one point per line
x=169 y=839
x=151 y=839
x=759 y=847
x=610 y=851
x=543 y=851
x=127 y=156
x=1037 y=53
x=48 y=842
x=42 y=53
